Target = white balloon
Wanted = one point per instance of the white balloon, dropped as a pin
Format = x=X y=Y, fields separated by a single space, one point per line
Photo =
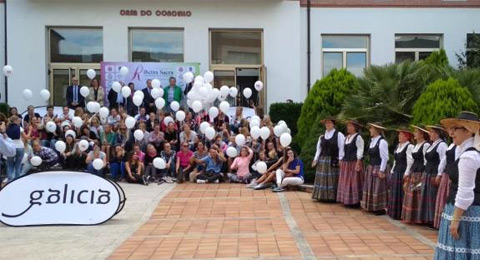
x=60 y=146
x=137 y=100
x=197 y=106
x=77 y=121
x=97 y=164
x=7 y=70
x=167 y=120
x=84 y=91
x=254 y=123
x=233 y=92
x=261 y=167
x=116 y=86
x=285 y=139
x=224 y=107
x=189 y=103
x=232 y=152
x=174 y=105
x=96 y=107
x=71 y=133
x=103 y=112
x=188 y=77
x=258 y=85
x=208 y=86
x=124 y=71
x=204 y=126
x=27 y=94
x=247 y=92
x=126 y=91
x=255 y=132
x=138 y=134
x=281 y=122
x=45 y=94
x=91 y=73
x=264 y=132
x=197 y=85
x=51 y=127
x=203 y=91
x=222 y=97
x=210 y=133
x=199 y=78
x=36 y=161
x=156 y=83
x=213 y=94
x=213 y=112
x=224 y=90
x=130 y=122
x=83 y=145
x=208 y=76
x=180 y=116
x=159 y=163
x=156 y=93
x=240 y=139
x=139 y=93
x=278 y=130
x=256 y=118
x=159 y=103
x=91 y=107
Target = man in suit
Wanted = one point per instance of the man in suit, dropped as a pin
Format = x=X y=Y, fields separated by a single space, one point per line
x=130 y=107
x=148 y=100
x=115 y=99
x=73 y=97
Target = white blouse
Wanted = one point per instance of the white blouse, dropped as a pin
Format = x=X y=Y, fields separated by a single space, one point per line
x=442 y=153
x=340 y=143
x=383 y=147
x=409 y=156
x=467 y=171
x=359 y=143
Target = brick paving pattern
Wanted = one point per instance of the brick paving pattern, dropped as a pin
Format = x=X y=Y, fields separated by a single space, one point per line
x=228 y=221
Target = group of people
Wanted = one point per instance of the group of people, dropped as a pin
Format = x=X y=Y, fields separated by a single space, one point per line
x=430 y=182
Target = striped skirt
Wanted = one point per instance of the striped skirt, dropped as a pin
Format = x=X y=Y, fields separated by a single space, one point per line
x=468 y=245
x=395 y=191
x=428 y=197
x=411 y=200
x=326 y=181
x=375 y=194
x=442 y=195
x=350 y=184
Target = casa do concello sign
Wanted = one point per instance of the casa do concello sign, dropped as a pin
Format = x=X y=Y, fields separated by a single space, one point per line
x=159 y=13
x=60 y=198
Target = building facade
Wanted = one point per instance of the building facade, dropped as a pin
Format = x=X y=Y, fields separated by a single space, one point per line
x=49 y=41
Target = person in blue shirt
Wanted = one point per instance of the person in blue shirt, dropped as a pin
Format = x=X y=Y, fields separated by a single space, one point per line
x=213 y=163
x=291 y=172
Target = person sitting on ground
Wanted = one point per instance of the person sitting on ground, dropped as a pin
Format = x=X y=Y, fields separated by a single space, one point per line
x=118 y=158
x=48 y=155
x=134 y=169
x=255 y=174
x=183 y=167
x=267 y=178
x=187 y=135
x=171 y=135
x=110 y=139
x=199 y=168
x=96 y=153
x=214 y=162
x=138 y=152
x=114 y=118
x=156 y=137
x=150 y=170
x=291 y=172
x=169 y=156
x=73 y=158
x=241 y=164
x=142 y=116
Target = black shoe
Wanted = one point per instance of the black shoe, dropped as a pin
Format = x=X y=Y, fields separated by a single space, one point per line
x=144 y=180
x=380 y=212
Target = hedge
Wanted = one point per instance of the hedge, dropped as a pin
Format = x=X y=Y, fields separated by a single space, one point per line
x=288 y=112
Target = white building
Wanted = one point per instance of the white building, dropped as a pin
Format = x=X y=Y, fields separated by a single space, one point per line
x=49 y=41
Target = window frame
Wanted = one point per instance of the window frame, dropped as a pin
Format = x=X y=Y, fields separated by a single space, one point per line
x=154 y=29
x=344 y=51
x=225 y=30
x=417 y=51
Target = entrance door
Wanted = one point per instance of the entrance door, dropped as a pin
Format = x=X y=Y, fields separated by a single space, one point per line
x=61 y=77
x=246 y=78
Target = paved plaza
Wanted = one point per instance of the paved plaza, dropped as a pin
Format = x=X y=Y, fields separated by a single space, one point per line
x=225 y=221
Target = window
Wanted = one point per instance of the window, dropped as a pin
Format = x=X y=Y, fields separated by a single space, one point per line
x=156 y=45
x=415 y=47
x=236 y=47
x=473 y=47
x=345 y=51
x=79 y=45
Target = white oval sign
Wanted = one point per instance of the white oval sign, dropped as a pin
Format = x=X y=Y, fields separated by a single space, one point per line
x=60 y=198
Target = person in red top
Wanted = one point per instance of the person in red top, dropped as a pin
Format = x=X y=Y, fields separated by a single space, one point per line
x=183 y=167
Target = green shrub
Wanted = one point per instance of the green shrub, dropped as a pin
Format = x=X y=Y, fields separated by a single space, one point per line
x=443 y=98
x=326 y=97
x=288 y=112
x=438 y=58
x=310 y=147
x=4 y=108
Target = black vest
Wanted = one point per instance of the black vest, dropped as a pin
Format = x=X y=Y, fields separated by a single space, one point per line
x=374 y=154
x=450 y=160
x=330 y=146
x=401 y=160
x=351 y=150
x=453 y=175
x=418 y=160
x=433 y=160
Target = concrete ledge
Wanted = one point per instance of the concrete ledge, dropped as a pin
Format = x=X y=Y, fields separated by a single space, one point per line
x=304 y=188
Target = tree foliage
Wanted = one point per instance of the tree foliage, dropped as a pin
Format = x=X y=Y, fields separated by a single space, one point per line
x=443 y=98
x=289 y=112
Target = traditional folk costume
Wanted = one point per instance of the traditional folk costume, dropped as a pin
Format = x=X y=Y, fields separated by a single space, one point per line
x=401 y=166
x=464 y=194
x=350 y=183
x=411 y=200
x=375 y=188
x=444 y=186
x=329 y=151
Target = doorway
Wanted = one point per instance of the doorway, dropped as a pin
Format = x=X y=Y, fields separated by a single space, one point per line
x=60 y=76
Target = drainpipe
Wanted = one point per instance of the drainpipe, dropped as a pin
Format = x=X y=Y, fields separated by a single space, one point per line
x=5 y=51
x=308 y=45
